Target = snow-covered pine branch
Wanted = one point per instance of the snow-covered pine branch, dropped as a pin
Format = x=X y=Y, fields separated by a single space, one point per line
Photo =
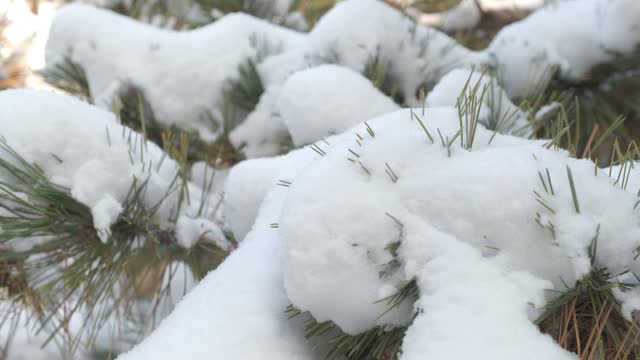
x=85 y=204
x=388 y=233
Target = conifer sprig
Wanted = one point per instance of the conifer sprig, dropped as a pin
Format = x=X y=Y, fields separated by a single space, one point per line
x=587 y=319
x=68 y=76
x=377 y=343
x=53 y=262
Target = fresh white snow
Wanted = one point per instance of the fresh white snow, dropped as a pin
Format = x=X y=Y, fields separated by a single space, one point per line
x=572 y=35
x=486 y=221
x=327 y=100
x=180 y=76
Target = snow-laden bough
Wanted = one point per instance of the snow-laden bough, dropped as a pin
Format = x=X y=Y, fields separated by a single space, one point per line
x=98 y=160
x=485 y=224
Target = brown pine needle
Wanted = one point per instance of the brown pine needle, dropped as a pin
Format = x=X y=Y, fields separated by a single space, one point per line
x=575 y=328
x=627 y=348
x=587 y=149
x=596 y=331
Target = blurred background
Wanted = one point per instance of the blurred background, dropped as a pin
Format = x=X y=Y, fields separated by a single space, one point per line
x=24 y=24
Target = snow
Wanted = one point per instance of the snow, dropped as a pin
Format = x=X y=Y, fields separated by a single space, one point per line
x=189 y=231
x=105 y=213
x=468 y=226
x=118 y=333
x=312 y=109
x=87 y=36
x=26 y=342
x=486 y=225
x=27 y=32
x=483 y=197
x=467 y=14
x=97 y=159
x=250 y=181
x=512 y=5
x=629 y=299
x=493 y=321
x=573 y=35
x=237 y=311
x=417 y=55
x=167 y=65
x=262 y=132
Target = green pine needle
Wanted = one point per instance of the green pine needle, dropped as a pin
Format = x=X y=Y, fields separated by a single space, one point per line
x=374 y=344
x=74 y=269
x=68 y=76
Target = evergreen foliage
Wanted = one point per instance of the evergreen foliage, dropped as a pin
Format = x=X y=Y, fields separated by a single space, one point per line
x=73 y=270
x=68 y=76
x=596 y=119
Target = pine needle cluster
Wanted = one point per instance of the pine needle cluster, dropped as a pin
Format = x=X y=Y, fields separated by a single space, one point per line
x=68 y=76
x=53 y=262
x=587 y=319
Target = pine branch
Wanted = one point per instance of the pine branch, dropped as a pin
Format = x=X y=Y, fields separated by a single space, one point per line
x=68 y=76
x=378 y=71
x=587 y=319
x=374 y=344
x=606 y=100
x=184 y=146
x=245 y=91
x=62 y=265
x=378 y=343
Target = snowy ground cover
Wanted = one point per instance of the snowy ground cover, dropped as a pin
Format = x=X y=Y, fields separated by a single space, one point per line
x=401 y=194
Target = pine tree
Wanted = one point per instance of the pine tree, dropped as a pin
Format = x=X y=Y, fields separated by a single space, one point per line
x=593 y=119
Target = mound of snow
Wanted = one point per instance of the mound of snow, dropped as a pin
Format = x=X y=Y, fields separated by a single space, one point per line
x=182 y=74
x=574 y=35
x=327 y=100
x=417 y=55
x=507 y=199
